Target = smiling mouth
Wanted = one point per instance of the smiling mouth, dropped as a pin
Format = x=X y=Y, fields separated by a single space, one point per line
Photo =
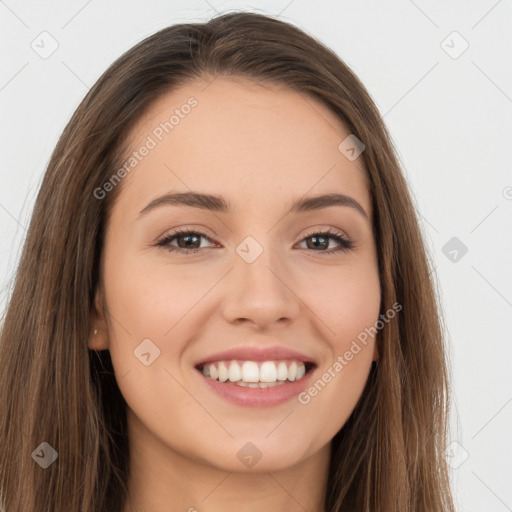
x=256 y=374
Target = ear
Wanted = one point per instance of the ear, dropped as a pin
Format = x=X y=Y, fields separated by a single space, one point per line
x=375 y=356
x=98 y=338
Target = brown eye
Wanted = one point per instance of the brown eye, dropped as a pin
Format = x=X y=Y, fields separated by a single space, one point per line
x=187 y=241
x=322 y=239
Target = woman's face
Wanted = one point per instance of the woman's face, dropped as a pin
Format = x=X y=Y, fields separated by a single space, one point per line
x=255 y=277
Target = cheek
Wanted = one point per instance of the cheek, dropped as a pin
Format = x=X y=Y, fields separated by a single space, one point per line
x=145 y=311
x=347 y=301
x=150 y=299
x=150 y=316
x=349 y=309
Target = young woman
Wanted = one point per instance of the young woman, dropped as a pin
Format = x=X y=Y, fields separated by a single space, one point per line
x=224 y=300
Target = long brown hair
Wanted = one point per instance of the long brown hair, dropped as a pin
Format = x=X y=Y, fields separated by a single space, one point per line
x=53 y=389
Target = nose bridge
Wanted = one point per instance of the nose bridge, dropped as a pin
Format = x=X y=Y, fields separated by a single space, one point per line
x=259 y=290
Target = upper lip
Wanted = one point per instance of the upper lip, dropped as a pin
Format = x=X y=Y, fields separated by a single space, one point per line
x=256 y=354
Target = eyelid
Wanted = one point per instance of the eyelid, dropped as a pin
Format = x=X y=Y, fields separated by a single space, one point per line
x=188 y=228
x=345 y=242
x=322 y=228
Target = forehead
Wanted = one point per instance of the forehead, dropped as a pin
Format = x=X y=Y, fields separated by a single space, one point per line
x=241 y=139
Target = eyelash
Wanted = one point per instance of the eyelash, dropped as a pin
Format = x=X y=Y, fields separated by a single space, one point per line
x=346 y=244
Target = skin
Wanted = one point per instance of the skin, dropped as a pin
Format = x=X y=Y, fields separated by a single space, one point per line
x=184 y=438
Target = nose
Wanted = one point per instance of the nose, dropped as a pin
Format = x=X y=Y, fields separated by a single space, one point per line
x=261 y=293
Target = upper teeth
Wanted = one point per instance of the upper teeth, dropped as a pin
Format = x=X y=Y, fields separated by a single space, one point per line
x=251 y=371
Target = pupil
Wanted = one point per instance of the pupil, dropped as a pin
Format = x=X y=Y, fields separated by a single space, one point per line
x=318 y=238
x=186 y=238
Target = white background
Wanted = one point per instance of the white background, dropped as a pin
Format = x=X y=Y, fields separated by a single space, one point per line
x=450 y=119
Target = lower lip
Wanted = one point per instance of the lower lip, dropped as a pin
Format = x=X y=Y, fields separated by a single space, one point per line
x=258 y=397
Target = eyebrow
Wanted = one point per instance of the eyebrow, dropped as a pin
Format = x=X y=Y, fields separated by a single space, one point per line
x=219 y=204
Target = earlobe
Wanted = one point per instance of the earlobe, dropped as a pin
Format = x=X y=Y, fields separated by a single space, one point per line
x=98 y=339
x=375 y=356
